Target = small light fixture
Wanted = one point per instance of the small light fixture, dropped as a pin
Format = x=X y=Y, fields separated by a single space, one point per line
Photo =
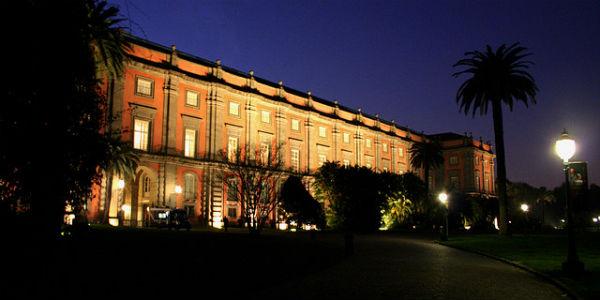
x=178 y=189
x=524 y=207
x=121 y=184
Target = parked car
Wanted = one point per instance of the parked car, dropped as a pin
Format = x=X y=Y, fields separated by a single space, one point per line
x=178 y=219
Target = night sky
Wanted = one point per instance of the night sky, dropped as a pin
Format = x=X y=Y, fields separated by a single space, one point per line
x=395 y=58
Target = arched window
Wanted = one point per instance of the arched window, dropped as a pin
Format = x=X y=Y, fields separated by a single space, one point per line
x=189 y=190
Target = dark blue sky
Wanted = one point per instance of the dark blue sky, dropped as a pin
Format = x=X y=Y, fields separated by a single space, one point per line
x=395 y=58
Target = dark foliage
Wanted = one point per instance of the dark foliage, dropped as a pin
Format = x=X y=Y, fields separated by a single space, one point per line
x=52 y=109
x=299 y=205
x=426 y=155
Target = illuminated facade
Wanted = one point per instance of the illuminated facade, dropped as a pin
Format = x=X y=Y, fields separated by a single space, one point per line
x=179 y=111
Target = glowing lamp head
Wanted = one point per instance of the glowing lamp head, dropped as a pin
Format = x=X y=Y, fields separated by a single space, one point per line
x=565 y=146
x=595 y=220
x=121 y=184
x=524 y=207
x=443 y=197
x=178 y=189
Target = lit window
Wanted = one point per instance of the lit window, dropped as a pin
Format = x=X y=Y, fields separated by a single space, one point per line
x=265 y=116
x=385 y=169
x=322 y=131
x=322 y=159
x=190 y=143
x=295 y=159
x=368 y=143
x=385 y=147
x=346 y=137
x=144 y=87
x=264 y=152
x=141 y=129
x=401 y=152
x=189 y=188
x=191 y=98
x=234 y=109
x=453 y=160
x=476 y=160
x=477 y=183
x=368 y=165
x=295 y=125
x=232 y=148
x=346 y=163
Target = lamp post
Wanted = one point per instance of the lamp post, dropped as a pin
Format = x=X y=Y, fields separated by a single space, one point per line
x=443 y=198
x=525 y=209
x=565 y=149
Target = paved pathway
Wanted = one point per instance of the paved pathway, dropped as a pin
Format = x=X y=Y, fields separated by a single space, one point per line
x=389 y=267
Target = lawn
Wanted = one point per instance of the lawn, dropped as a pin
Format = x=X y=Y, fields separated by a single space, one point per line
x=544 y=253
x=151 y=262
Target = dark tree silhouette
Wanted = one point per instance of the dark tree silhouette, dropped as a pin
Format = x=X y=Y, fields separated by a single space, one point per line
x=299 y=205
x=53 y=109
x=497 y=77
x=426 y=155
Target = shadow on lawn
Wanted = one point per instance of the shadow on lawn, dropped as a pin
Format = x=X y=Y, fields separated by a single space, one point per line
x=139 y=262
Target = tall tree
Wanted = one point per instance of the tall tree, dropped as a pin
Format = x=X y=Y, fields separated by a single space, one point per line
x=55 y=123
x=496 y=77
x=254 y=174
x=426 y=155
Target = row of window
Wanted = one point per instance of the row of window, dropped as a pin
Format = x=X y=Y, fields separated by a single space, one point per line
x=145 y=87
x=141 y=137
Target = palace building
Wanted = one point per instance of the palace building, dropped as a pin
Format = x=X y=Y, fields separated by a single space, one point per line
x=180 y=111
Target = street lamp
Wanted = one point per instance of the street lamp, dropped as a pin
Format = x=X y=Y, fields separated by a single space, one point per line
x=443 y=197
x=525 y=209
x=565 y=149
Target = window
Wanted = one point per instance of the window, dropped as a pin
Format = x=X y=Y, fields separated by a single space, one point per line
x=234 y=109
x=146 y=186
x=141 y=129
x=385 y=147
x=144 y=87
x=453 y=160
x=322 y=159
x=265 y=116
x=346 y=163
x=368 y=165
x=191 y=98
x=232 y=190
x=368 y=143
x=295 y=159
x=477 y=182
x=232 y=148
x=454 y=182
x=346 y=137
x=189 y=187
x=264 y=152
x=401 y=152
x=190 y=143
x=385 y=169
x=322 y=131
x=476 y=160
x=295 y=125
x=232 y=212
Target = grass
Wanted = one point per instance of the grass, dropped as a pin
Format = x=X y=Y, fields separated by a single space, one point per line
x=544 y=253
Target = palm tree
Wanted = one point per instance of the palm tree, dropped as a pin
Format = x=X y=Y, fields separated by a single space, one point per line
x=121 y=160
x=496 y=77
x=426 y=155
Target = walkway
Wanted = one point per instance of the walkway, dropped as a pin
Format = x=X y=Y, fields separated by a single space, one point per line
x=390 y=267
